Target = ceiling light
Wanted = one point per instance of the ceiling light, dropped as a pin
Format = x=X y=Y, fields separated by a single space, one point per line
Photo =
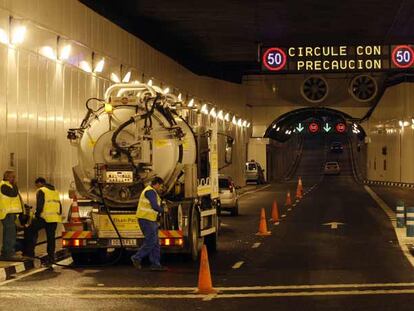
x=150 y=82
x=274 y=126
x=204 y=109
x=18 y=34
x=227 y=117
x=401 y=123
x=4 y=38
x=115 y=78
x=234 y=121
x=179 y=97
x=65 y=52
x=84 y=65
x=220 y=115
x=239 y=123
x=277 y=130
x=99 y=66
x=48 y=52
x=213 y=112
x=244 y=123
x=166 y=90
x=191 y=103
x=127 y=77
x=248 y=124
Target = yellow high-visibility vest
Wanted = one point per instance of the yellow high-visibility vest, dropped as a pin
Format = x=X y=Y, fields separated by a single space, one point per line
x=145 y=210
x=51 y=208
x=9 y=205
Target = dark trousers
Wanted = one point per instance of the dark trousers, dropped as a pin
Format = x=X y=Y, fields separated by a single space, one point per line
x=31 y=234
x=9 y=235
x=151 y=245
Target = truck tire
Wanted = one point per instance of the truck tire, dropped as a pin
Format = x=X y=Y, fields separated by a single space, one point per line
x=212 y=239
x=195 y=241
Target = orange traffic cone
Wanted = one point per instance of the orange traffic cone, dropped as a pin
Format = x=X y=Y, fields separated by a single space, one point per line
x=288 y=199
x=299 y=190
x=263 y=224
x=75 y=223
x=275 y=213
x=205 y=285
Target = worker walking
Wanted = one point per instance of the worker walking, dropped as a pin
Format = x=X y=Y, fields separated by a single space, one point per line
x=10 y=206
x=149 y=207
x=47 y=215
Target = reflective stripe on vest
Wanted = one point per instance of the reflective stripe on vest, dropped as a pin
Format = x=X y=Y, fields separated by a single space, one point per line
x=145 y=210
x=9 y=205
x=51 y=208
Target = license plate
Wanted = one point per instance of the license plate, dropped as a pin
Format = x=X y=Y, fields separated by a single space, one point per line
x=125 y=242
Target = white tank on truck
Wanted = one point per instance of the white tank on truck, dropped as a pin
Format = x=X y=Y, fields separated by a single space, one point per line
x=137 y=132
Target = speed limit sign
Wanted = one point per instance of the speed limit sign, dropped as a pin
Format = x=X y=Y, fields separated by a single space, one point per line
x=403 y=56
x=274 y=59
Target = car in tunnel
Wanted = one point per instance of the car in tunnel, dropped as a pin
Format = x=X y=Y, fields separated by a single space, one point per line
x=228 y=195
x=337 y=147
x=332 y=168
x=254 y=172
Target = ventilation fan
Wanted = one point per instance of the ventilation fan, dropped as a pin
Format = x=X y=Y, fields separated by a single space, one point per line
x=363 y=88
x=314 y=89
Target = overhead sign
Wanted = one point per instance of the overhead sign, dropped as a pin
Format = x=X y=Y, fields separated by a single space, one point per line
x=340 y=127
x=313 y=127
x=300 y=128
x=327 y=127
x=343 y=58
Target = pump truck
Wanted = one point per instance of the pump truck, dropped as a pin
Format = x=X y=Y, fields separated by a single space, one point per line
x=135 y=133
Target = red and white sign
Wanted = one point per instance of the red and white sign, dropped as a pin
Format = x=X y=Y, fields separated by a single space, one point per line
x=313 y=127
x=340 y=127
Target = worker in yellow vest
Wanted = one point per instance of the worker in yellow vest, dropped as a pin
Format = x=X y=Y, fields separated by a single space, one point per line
x=10 y=206
x=47 y=216
x=149 y=207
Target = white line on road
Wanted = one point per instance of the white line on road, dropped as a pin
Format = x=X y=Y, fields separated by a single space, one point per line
x=256 y=245
x=238 y=264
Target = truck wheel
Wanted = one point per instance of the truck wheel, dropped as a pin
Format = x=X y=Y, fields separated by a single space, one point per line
x=81 y=258
x=235 y=210
x=211 y=239
x=195 y=241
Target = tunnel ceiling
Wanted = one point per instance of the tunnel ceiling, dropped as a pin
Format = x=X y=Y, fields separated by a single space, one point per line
x=219 y=38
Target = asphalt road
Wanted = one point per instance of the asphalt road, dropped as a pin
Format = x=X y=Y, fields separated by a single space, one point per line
x=304 y=264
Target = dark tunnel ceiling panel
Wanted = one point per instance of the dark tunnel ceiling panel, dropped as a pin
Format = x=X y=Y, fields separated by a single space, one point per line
x=219 y=38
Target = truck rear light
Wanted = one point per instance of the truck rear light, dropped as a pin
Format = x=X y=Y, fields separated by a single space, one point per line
x=179 y=242
x=172 y=242
x=73 y=243
x=167 y=242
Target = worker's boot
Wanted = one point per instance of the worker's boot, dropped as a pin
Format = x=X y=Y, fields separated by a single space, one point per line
x=136 y=263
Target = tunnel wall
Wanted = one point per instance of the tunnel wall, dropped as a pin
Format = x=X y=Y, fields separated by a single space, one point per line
x=389 y=142
x=41 y=98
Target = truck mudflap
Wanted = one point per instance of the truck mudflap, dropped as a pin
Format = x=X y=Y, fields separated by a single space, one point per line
x=86 y=239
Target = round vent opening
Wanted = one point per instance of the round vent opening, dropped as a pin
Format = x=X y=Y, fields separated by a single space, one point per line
x=314 y=89
x=363 y=88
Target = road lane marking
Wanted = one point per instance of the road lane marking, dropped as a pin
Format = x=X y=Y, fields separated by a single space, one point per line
x=238 y=264
x=256 y=245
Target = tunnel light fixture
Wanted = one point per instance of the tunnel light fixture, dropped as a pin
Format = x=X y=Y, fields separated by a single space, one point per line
x=406 y=123
x=191 y=103
x=234 y=120
x=4 y=38
x=84 y=65
x=227 y=117
x=213 y=112
x=204 y=109
x=150 y=82
x=240 y=122
x=248 y=124
x=127 y=77
x=115 y=78
x=48 y=52
x=274 y=126
x=245 y=123
x=220 y=115
x=166 y=90
x=65 y=52
x=278 y=129
x=412 y=121
x=18 y=34
x=108 y=108
x=179 y=97
x=99 y=66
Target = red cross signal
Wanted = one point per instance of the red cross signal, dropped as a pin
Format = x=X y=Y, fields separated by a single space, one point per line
x=313 y=127
x=340 y=127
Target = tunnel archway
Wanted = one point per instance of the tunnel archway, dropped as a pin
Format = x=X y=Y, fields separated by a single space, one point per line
x=282 y=128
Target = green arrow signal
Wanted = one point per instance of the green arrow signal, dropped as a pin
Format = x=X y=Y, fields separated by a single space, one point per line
x=300 y=128
x=327 y=128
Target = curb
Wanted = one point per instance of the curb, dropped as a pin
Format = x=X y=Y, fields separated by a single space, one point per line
x=388 y=183
x=7 y=273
